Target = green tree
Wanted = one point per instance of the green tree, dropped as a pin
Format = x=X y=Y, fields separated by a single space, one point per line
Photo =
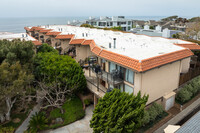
x=16 y=50
x=13 y=81
x=38 y=122
x=151 y=27
x=118 y=112
x=59 y=68
x=46 y=48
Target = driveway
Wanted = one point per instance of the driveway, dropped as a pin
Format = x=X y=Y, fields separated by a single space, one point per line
x=80 y=126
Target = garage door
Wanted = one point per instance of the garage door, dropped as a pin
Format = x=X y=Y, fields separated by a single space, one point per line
x=169 y=103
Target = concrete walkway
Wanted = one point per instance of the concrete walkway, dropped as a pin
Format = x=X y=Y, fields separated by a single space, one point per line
x=80 y=126
x=24 y=125
x=179 y=116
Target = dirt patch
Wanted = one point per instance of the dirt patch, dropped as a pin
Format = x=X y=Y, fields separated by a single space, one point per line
x=16 y=120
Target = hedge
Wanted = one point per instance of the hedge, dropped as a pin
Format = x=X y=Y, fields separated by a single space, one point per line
x=188 y=91
x=152 y=113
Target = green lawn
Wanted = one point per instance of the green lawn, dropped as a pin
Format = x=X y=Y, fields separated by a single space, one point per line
x=73 y=111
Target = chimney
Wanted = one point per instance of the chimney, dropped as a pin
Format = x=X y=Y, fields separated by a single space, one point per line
x=109 y=45
x=114 y=39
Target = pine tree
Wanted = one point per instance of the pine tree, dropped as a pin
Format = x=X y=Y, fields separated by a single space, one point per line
x=118 y=112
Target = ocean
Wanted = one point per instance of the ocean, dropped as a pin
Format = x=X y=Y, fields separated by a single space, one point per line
x=16 y=25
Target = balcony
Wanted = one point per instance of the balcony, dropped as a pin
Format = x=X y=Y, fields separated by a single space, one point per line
x=113 y=78
x=93 y=83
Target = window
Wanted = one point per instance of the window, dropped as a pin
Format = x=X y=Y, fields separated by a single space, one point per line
x=129 y=22
x=112 y=67
x=129 y=76
x=128 y=89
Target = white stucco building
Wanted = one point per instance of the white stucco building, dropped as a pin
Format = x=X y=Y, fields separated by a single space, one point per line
x=108 y=22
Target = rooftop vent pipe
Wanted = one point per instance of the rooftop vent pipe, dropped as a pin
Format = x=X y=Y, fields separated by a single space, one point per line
x=109 y=45
x=114 y=42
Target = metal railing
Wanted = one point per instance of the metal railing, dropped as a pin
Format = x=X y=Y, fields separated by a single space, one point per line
x=112 y=78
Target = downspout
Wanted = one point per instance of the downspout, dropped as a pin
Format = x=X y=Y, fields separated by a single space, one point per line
x=179 y=74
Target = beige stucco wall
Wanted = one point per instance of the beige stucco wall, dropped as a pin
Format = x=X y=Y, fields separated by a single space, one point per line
x=64 y=45
x=53 y=41
x=82 y=52
x=158 y=82
x=185 y=65
x=45 y=38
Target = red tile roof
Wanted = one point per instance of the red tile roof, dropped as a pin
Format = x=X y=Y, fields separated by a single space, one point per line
x=33 y=28
x=191 y=46
x=45 y=30
x=87 y=42
x=142 y=65
x=37 y=43
x=164 y=59
x=53 y=33
x=64 y=36
x=26 y=28
x=77 y=41
x=38 y=28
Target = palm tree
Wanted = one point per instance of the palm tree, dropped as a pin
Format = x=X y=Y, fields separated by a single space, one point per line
x=37 y=122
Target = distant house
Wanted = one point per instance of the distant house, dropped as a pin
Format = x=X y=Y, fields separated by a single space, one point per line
x=158 y=31
x=139 y=23
x=21 y=36
x=108 y=22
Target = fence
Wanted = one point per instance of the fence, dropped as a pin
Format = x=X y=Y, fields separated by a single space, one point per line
x=190 y=75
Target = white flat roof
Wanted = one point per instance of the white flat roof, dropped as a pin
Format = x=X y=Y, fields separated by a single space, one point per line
x=11 y=36
x=135 y=46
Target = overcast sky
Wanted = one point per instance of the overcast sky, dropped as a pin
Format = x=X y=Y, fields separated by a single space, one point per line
x=48 y=8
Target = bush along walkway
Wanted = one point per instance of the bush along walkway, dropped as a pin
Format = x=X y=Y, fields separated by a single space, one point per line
x=24 y=125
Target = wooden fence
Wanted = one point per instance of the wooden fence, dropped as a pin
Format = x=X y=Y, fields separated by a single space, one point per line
x=188 y=76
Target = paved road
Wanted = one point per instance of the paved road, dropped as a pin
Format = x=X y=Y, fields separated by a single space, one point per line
x=80 y=126
x=24 y=125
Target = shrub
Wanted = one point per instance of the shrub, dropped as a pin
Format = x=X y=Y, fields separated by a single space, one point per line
x=152 y=113
x=87 y=102
x=146 y=118
x=7 y=130
x=184 y=95
x=159 y=108
x=192 y=89
x=188 y=91
x=56 y=113
x=196 y=84
x=37 y=122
